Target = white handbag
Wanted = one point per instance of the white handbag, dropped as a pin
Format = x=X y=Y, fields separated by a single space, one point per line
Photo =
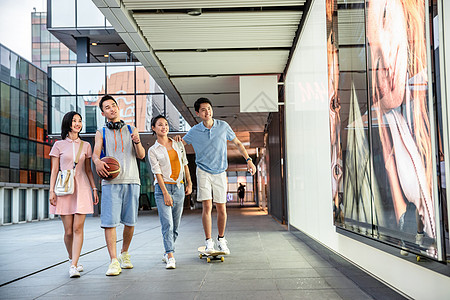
x=65 y=182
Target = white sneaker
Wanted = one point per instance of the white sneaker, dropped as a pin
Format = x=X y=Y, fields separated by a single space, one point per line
x=79 y=267
x=209 y=246
x=114 y=268
x=125 y=262
x=164 y=259
x=170 y=263
x=73 y=272
x=222 y=245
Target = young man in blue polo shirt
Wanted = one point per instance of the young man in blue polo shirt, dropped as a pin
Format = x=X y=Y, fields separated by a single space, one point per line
x=209 y=139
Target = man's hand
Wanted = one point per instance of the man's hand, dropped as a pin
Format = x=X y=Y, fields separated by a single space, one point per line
x=135 y=138
x=177 y=138
x=251 y=167
x=101 y=168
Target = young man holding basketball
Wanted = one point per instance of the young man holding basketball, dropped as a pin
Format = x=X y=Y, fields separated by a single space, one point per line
x=209 y=139
x=120 y=196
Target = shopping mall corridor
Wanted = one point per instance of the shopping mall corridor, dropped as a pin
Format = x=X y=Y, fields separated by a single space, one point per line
x=266 y=262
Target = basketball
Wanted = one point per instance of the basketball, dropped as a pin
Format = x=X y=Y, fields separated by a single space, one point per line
x=114 y=167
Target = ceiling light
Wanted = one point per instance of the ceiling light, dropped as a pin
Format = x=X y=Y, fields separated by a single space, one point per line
x=106 y=55
x=194 y=12
x=94 y=44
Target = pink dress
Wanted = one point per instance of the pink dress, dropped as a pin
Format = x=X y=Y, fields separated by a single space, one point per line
x=80 y=202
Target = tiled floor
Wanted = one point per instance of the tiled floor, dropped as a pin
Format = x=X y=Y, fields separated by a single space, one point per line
x=266 y=262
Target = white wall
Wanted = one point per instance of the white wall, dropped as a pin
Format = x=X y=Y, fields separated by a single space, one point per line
x=308 y=168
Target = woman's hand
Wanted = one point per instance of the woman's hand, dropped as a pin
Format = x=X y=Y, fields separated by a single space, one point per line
x=188 y=189
x=95 y=197
x=52 y=198
x=168 y=200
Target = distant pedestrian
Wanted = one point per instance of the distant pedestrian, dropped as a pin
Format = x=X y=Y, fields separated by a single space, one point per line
x=241 y=193
x=73 y=208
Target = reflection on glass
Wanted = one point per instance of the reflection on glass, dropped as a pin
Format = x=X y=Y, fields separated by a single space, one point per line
x=59 y=107
x=4 y=150
x=15 y=114
x=88 y=15
x=63 y=13
x=5 y=108
x=63 y=81
x=145 y=83
x=90 y=80
x=175 y=119
x=120 y=80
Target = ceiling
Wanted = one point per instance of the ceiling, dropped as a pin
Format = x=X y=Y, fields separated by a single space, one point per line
x=192 y=56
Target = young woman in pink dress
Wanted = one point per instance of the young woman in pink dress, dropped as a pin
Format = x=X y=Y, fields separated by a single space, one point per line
x=73 y=208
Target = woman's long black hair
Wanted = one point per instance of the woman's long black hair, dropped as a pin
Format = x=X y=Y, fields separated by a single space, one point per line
x=67 y=123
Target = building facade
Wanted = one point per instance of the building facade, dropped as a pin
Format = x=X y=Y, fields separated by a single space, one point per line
x=24 y=145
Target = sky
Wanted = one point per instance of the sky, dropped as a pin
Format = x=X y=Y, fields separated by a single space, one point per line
x=15 y=24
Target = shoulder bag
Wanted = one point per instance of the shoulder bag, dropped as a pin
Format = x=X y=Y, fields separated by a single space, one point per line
x=65 y=180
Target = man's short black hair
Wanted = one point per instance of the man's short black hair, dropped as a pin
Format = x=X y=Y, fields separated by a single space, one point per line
x=200 y=101
x=104 y=98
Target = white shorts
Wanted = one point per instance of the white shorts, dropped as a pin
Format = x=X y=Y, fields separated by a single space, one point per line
x=211 y=186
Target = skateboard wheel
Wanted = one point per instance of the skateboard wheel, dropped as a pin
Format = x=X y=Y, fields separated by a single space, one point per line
x=222 y=259
x=200 y=256
x=208 y=259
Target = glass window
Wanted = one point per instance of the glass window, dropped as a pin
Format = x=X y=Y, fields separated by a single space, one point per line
x=176 y=120
x=91 y=117
x=36 y=33
x=120 y=80
x=23 y=74
x=4 y=151
x=23 y=160
x=22 y=205
x=23 y=114
x=145 y=83
x=39 y=157
x=91 y=80
x=7 y=206
x=47 y=159
x=32 y=117
x=4 y=175
x=15 y=112
x=88 y=15
x=63 y=81
x=5 y=65
x=5 y=108
x=23 y=176
x=127 y=108
x=35 y=203
x=32 y=155
x=14 y=175
x=39 y=120
x=59 y=107
x=32 y=82
x=63 y=13
x=14 y=73
x=42 y=84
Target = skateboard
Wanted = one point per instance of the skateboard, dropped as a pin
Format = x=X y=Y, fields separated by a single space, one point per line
x=213 y=255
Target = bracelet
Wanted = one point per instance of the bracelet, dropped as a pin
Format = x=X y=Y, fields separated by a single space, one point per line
x=94 y=189
x=137 y=143
x=248 y=159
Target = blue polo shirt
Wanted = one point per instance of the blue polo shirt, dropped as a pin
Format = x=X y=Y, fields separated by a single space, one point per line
x=210 y=145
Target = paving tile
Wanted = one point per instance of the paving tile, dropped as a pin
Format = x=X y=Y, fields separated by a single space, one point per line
x=279 y=266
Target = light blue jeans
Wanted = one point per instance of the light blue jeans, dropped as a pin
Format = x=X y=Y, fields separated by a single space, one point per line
x=170 y=216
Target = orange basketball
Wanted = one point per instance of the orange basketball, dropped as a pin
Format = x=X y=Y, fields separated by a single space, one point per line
x=114 y=167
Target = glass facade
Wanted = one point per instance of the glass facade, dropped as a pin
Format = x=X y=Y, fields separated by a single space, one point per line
x=80 y=87
x=76 y=13
x=46 y=49
x=24 y=145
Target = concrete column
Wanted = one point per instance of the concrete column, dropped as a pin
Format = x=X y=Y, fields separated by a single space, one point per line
x=15 y=206
x=2 y=201
x=41 y=204
x=29 y=206
x=83 y=49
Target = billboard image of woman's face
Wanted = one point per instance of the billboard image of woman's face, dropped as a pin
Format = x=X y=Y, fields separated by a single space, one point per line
x=383 y=138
